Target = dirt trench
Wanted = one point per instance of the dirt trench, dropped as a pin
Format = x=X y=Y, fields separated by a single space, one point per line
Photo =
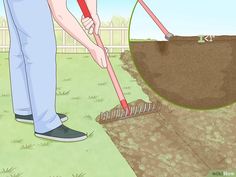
x=175 y=141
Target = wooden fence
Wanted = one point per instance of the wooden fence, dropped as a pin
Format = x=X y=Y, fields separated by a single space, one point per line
x=114 y=38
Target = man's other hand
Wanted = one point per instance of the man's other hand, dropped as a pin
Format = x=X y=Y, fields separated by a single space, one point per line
x=91 y=24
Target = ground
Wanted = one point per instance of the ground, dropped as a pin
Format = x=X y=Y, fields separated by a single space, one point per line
x=176 y=141
x=83 y=92
x=188 y=73
x=173 y=142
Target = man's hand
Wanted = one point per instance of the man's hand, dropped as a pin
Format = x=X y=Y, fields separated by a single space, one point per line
x=92 y=25
x=98 y=55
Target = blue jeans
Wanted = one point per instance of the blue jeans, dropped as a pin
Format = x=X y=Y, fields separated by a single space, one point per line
x=33 y=61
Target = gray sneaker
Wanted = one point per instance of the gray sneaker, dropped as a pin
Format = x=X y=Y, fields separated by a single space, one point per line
x=64 y=134
x=29 y=118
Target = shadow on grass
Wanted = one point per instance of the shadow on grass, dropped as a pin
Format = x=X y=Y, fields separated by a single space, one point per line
x=76 y=98
x=88 y=117
x=17 y=141
x=102 y=84
x=66 y=79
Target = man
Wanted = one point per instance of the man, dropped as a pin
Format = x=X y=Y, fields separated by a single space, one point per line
x=33 y=65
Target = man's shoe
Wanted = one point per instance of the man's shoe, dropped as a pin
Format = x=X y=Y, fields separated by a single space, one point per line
x=29 y=118
x=63 y=133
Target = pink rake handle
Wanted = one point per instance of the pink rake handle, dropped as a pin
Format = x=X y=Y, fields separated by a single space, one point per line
x=167 y=34
x=110 y=70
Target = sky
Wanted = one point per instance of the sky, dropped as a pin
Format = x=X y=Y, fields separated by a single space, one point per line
x=181 y=17
x=186 y=18
x=106 y=8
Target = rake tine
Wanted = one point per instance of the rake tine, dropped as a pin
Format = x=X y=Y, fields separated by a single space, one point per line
x=132 y=109
x=136 y=108
x=116 y=112
x=122 y=113
x=119 y=113
x=100 y=116
x=140 y=110
x=110 y=115
x=126 y=112
x=113 y=114
x=145 y=107
x=153 y=107
x=149 y=107
x=107 y=115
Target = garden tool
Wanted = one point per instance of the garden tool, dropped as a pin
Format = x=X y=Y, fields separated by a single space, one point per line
x=167 y=34
x=128 y=110
x=110 y=70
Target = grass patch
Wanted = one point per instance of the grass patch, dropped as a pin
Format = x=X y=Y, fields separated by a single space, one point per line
x=45 y=144
x=99 y=100
x=79 y=175
x=92 y=87
x=5 y=95
x=92 y=97
x=127 y=93
x=16 y=175
x=27 y=147
x=90 y=135
x=63 y=93
x=7 y=170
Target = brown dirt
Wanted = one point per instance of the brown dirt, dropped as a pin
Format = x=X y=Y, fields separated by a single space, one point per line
x=200 y=76
x=175 y=142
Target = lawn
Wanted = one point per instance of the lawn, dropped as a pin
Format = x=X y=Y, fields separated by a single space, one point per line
x=84 y=90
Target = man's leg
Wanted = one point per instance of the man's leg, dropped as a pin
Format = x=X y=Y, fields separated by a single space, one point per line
x=20 y=95
x=35 y=28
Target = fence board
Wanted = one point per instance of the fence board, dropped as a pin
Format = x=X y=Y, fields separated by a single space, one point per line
x=115 y=39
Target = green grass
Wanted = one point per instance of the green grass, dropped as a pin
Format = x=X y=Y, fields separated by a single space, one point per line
x=84 y=90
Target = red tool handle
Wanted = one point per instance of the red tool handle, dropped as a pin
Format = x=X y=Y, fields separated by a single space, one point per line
x=84 y=8
x=123 y=102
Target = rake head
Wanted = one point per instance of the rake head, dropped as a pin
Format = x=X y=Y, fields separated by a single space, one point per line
x=142 y=108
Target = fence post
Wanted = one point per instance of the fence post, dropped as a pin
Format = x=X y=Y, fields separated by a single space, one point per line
x=122 y=37
x=111 y=37
x=63 y=40
x=75 y=49
x=3 y=36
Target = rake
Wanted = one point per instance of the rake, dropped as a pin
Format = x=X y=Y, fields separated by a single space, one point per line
x=140 y=108
x=128 y=110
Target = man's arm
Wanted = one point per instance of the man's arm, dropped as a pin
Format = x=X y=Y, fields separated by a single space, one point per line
x=69 y=23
